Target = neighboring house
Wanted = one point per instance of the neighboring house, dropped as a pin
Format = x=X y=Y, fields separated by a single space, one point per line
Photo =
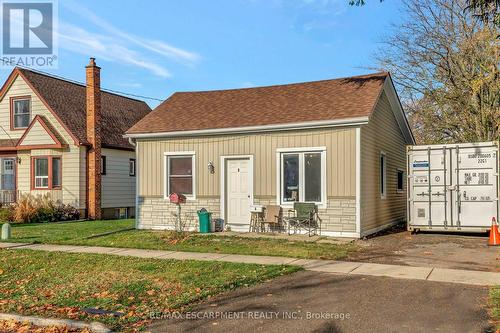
x=339 y=143
x=53 y=134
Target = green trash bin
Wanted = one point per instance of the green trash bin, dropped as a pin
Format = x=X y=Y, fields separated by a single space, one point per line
x=205 y=219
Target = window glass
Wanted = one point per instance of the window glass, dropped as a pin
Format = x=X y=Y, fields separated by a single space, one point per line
x=400 y=180
x=41 y=172
x=131 y=167
x=312 y=177
x=290 y=177
x=180 y=174
x=21 y=113
x=103 y=165
x=56 y=172
x=8 y=174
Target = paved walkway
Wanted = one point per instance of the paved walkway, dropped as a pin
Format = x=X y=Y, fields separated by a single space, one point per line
x=328 y=266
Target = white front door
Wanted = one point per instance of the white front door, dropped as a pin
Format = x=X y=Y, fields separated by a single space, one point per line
x=238 y=193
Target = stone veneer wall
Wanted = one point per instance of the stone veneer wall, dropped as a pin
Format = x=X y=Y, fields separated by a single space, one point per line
x=158 y=213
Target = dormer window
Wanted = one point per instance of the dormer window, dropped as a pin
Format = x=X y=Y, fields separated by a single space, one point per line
x=21 y=112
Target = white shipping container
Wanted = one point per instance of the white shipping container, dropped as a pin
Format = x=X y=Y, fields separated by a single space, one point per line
x=453 y=187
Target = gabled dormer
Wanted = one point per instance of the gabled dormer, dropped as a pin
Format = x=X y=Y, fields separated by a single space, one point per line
x=39 y=134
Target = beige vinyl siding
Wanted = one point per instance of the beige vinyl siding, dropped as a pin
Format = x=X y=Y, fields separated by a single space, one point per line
x=37 y=135
x=340 y=150
x=382 y=133
x=83 y=177
x=118 y=187
x=73 y=161
x=20 y=88
x=70 y=192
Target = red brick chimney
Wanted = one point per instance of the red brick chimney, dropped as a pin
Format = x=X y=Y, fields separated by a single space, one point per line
x=93 y=89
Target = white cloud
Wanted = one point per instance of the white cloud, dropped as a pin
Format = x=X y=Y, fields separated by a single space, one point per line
x=79 y=40
x=157 y=46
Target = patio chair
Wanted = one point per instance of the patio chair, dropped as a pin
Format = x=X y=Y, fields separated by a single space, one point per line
x=304 y=216
x=272 y=217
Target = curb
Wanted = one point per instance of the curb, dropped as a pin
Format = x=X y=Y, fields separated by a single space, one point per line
x=39 y=321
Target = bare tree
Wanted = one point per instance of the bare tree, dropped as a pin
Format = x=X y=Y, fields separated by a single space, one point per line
x=486 y=10
x=445 y=61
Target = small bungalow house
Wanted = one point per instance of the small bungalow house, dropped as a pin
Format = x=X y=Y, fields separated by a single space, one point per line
x=66 y=139
x=338 y=143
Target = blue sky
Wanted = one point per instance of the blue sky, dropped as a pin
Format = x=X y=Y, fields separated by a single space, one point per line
x=155 y=48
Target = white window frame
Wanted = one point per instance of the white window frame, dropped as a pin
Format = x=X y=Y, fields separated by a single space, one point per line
x=166 y=155
x=36 y=158
x=279 y=174
x=131 y=167
x=383 y=173
x=21 y=114
x=402 y=189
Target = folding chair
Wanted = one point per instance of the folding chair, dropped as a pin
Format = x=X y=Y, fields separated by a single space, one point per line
x=304 y=216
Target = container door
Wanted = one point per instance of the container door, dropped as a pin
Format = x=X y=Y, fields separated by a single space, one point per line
x=476 y=186
x=430 y=183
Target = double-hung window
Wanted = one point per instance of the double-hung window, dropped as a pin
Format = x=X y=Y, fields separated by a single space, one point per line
x=47 y=172
x=21 y=112
x=302 y=173
x=180 y=173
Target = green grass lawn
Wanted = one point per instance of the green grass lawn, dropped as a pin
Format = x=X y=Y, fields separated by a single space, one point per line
x=78 y=233
x=495 y=305
x=55 y=284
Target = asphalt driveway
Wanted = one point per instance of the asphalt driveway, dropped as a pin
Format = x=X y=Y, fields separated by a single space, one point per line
x=321 y=302
x=397 y=246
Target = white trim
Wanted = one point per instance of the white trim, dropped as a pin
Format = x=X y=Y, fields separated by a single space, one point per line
x=383 y=195
x=300 y=149
x=261 y=128
x=398 y=111
x=222 y=177
x=165 y=166
x=132 y=162
x=358 y=180
x=279 y=176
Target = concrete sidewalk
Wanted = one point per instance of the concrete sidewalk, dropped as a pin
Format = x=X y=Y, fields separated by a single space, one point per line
x=327 y=266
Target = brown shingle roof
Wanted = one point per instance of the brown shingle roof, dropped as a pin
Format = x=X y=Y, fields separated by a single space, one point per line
x=291 y=103
x=8 y=144
x=67 y=100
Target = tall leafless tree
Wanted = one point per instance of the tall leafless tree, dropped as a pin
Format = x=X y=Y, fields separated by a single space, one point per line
x=445 y=61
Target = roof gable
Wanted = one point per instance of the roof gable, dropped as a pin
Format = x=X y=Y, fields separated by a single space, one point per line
x=319 y=101
x=67 y=102
x=39 y=135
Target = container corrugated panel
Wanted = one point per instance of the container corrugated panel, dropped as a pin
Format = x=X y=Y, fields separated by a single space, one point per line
x=453 y=187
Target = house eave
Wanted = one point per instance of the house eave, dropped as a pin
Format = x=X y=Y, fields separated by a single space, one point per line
x=347 y=122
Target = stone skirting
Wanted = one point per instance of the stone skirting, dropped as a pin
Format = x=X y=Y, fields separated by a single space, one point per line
x=157 y=213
